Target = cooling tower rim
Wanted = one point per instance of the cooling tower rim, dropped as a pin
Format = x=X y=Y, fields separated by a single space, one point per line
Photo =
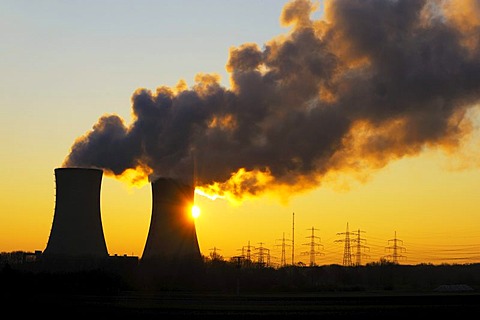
x=78 y=169
x=171 y=180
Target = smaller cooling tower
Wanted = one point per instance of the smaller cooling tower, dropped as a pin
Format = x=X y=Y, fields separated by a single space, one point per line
x=77 y=230
x=172 y=235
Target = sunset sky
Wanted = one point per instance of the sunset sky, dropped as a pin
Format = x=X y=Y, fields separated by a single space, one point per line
x=301 y=115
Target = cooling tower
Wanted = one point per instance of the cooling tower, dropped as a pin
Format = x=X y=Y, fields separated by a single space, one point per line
x=77 y=230
x=172 y=235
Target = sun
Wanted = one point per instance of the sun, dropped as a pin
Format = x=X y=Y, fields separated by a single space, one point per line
x=195 y=211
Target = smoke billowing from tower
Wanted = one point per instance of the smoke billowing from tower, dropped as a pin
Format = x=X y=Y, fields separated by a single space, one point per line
x=370 y=82
x=172 y=234
x=77 y=230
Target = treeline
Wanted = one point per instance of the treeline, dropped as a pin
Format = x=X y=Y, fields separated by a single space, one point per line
x=121 y=274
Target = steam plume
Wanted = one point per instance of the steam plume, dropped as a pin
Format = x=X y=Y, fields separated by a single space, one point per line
x=372 y=81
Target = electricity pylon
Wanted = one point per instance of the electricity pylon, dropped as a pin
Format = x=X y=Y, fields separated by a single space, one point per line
x=359 y=247
x=396 y=249
x=347 y=256
x=313 y=245
x=262 y=253
x=283 y=261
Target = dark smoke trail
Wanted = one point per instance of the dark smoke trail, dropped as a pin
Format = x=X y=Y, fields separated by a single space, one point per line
x=375 y=80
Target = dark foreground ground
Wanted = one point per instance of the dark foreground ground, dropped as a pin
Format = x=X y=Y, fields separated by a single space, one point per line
x=292 y=306
x=229 y=291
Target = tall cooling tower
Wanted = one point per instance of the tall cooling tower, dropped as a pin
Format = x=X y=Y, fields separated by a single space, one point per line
x=77 y=230
x=172 y=235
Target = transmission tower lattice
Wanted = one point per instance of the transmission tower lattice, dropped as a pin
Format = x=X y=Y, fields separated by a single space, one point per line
x=396 y=249
x=262 y=253
x=347 y=256
x=283 y=259
x=248 y=250
x=359 y=246
x=313 y=245
x=214 y=254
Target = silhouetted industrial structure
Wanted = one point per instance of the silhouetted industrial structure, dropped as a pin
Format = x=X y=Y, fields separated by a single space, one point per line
x=77 y=224
x=172 y=232
x=360 y=246
x=77 y=240
x=283 y=259
x=77 y=231
x=313 y=245
x=347 y=256
x=396 y=249
x=293 y=238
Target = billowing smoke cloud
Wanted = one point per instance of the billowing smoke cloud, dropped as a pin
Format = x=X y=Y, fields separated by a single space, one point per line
x=372 y=81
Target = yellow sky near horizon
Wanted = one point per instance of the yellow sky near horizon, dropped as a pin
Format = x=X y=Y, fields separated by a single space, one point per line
x=432 y=208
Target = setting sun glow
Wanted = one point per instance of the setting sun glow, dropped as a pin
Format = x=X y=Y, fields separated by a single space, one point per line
x=195 y=211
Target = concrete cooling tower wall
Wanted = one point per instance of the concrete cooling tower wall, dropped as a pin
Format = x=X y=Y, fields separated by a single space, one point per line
x=77 y=230
x=172 y=234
